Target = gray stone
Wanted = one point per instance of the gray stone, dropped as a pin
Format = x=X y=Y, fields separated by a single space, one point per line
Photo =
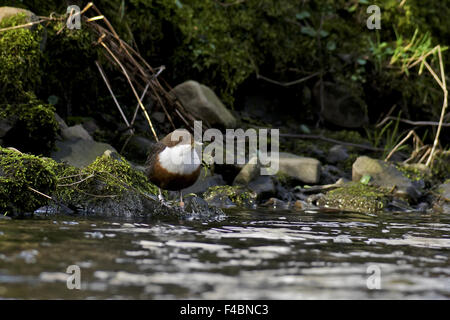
x=443 y=204
x=75 y=132
x=204 y=182
x=337 y=154
x=79 y=153
x=248 y=172
x=139 y=146
x=62 y=124
x=385 y=175
x=203 y=104
x=263 y=187
x=304 y=169
x=159 y=116
x=91 y=126
x=6 y=12
x=5 y=126
x=340 y=106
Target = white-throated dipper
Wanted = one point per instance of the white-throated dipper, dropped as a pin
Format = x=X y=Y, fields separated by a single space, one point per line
x=173 y=163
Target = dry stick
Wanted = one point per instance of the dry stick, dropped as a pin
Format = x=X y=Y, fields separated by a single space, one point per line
x=413 y=123
x=77 y=182
x=42 y=194
x=29 y=24
x=411 y=132
x=444 y=107
x=112 y=94
x=132 y=88
x=287 y=84
x=310 y=136
x=137 y=106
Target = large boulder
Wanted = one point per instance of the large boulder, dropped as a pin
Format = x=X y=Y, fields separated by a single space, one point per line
x=385 y=174
x=203 y=104
x=340 y=106
x=78 y=149
x=299 y=168
x=6 y=12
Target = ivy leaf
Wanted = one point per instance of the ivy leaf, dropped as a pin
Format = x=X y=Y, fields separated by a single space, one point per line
x=308 y=31
x=303 y=15
x=365 y=179
x=179 y=4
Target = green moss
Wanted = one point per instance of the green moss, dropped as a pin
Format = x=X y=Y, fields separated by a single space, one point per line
x=34 y=125
x=414 y=172
x=237 y=194
x=20 y=172
x=19 y=58
x=105 y=178
x=356 y=197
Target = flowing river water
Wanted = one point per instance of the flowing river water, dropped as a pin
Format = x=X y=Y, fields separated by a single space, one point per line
x=247 y=255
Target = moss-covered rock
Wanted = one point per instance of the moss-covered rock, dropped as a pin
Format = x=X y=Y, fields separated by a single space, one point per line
x=33 y=122
x=19 y=173
x=356 y=197
x=229 y=196
x=109 y=186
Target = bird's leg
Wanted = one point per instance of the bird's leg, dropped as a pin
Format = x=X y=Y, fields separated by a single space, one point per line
x=181 y=200
x=160 y=196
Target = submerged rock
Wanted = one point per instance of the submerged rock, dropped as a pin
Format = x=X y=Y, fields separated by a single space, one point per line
x=204 y=105
x=229 y=196
x=384 y=174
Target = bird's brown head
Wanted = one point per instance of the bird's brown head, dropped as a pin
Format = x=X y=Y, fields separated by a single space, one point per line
x=178 y=136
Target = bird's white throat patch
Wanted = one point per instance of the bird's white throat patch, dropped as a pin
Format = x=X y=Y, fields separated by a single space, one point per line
x=180 y=159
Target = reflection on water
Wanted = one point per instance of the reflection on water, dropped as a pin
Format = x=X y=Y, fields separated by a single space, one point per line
x=249 y=255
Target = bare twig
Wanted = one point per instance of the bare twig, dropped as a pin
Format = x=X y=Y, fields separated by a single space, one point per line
x=40 y=193
x=133 y=89
x=317 y=137
x=287 y=84
x=77 y=182
x=100 y=69
x=413 y=123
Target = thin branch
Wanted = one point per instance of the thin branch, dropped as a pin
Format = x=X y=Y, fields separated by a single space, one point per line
x=317 y=137
x=40 y=193
x=112 y=94
x=77 y=182
x=413 y=123
x=287 y=84
x=132 y=87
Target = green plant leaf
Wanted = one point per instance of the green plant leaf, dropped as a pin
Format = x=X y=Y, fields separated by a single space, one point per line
x=365 y=179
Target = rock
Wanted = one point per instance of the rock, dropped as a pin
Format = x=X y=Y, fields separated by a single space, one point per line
x=385 y=175
x=337 y=154
x=159 y=116
x=62 y=124
x=79 y=153
x=5 y=126
x=91 y=126
x=299 y=168
x=204 y=182
x=340 y=106
x=276 y=203
x=355 y=197
x=6 y=12
x=75 y=132
x=263 y=187
x=204 y=105
x=139 y=146
x=249 y=171
x=443 y=204
x=229 y=196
